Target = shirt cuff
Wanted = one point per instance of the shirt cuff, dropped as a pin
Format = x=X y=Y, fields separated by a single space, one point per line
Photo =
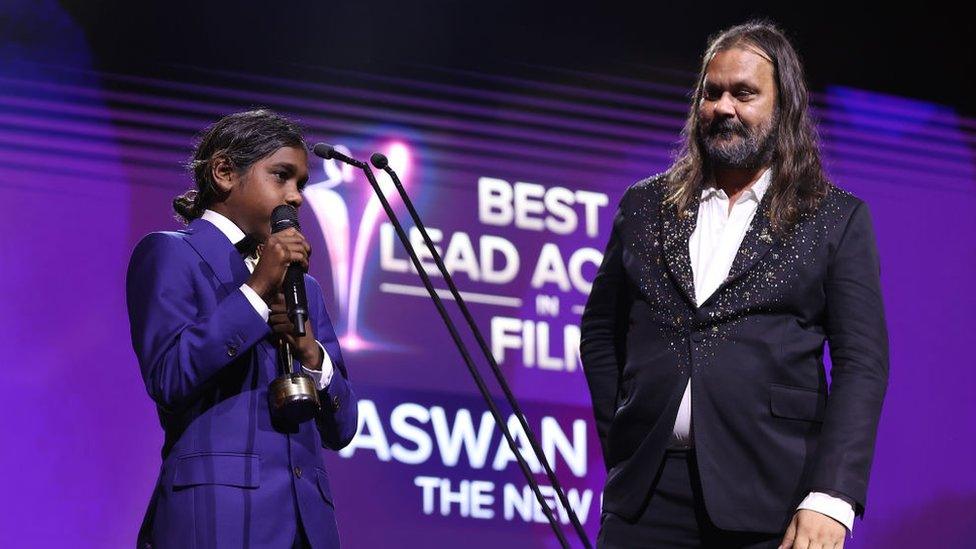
x=322 y=376
x=835 y=508
x=259 y=305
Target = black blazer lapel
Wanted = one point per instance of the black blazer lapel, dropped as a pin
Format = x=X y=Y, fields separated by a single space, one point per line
x=758 y=240
x=675 y=231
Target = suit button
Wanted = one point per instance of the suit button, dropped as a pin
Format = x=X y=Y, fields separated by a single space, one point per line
x=298 y=471
x=697 y=338
x=232 y=350
x=335 y=402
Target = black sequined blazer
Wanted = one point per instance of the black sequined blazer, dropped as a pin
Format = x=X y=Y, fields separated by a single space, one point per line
x=767 y=428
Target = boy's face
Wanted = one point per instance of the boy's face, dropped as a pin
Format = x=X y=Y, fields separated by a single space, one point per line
x=270 y=182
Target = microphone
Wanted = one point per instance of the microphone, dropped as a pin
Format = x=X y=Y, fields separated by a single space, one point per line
x=326 y=151
x=284 y=217
x=292 y=396
x=379 y=161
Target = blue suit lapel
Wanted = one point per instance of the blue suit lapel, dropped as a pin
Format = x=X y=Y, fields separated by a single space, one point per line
x=224 y=261
x=219 y=254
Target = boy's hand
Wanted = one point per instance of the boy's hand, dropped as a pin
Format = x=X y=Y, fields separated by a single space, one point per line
x=306 y=350
x=280 y=250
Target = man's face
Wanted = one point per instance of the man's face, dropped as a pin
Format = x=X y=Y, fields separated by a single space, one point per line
x=270 y=182
x=737 y=112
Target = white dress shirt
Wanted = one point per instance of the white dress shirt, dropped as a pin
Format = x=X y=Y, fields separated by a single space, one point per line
x=321 y=377
x=712 y=247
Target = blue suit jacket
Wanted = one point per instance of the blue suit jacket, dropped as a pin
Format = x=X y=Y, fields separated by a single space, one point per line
x=230 y=477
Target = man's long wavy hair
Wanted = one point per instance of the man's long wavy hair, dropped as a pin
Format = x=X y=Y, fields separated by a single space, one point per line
x=799 y=181
x=243 y=138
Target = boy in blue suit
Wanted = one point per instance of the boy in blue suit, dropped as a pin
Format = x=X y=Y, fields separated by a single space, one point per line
x=206 y=311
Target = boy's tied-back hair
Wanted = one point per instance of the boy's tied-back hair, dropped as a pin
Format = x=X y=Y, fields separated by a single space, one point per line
x=243 y=138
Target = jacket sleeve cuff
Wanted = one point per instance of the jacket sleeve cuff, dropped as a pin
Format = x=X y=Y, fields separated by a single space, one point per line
x=833 y=507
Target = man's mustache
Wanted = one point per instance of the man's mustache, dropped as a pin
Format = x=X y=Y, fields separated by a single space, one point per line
x=725 y=127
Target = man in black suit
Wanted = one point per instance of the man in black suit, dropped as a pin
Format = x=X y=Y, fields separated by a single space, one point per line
x=703 y=337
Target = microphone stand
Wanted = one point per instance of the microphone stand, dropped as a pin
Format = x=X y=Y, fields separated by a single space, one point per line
x=328 y=152
x=380 y=162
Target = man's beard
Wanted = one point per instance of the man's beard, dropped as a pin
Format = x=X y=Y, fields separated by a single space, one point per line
x=753 y=150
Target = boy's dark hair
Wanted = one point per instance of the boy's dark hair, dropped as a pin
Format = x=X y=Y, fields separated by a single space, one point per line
x=243 y=138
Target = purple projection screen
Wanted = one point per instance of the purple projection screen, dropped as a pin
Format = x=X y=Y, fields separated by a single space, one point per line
x=518 y=181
